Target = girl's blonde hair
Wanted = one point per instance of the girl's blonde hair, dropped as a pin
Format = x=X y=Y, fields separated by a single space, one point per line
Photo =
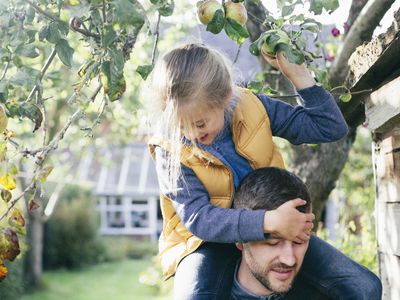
x=195 y=75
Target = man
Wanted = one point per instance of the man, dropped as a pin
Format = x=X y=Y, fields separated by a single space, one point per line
x=268 y=269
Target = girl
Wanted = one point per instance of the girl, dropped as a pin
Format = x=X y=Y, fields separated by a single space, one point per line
x=211 y=133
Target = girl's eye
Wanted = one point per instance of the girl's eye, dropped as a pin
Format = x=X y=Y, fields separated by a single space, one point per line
x=201 y=125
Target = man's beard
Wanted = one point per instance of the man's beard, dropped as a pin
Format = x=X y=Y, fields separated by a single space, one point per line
x=261 y=274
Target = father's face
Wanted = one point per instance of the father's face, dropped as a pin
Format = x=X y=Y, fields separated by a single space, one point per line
x=275 y=262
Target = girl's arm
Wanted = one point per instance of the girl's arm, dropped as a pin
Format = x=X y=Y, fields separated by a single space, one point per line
x=200 y=217
x=319 y=120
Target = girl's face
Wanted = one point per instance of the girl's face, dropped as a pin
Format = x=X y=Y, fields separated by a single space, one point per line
x=202 y=124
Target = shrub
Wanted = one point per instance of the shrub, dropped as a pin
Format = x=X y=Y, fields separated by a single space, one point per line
x=71 y=234
x=122 y=247
x=12 y=287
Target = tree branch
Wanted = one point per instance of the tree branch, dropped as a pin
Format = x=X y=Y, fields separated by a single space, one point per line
x=42 y=72
x=156 y=36
x=360 y=32
x=45 y=151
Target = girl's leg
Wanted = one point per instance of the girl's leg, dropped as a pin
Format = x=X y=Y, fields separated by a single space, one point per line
x=336 y=275
x=206 y=273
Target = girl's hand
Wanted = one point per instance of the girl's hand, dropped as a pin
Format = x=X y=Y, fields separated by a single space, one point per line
x=289 y=223
x=297 y=74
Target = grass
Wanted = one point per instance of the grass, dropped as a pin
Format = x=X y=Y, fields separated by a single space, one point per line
x=109 y=281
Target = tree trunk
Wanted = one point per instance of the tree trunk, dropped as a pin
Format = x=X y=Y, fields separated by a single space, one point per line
x=33 y=258
x=320 y=168
x=33 y=261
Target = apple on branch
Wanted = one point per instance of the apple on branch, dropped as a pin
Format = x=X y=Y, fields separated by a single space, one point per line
x=206 y=10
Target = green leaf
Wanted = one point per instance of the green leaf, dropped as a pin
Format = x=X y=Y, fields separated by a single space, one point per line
x=12 y=169
x=31 y=35
x=43 y=33
x=255 y=47
x=3 y=92
x=114 y=84
x=167 y=8
x=33 y=113
x=53 y=34
x=311 y=21
x=294 y=56
x=27 y=51
x=144 y=70
x=287 y=10
x=3 y=150
x=217 y=22
x=280 y=3
x=5 y=195
x=127 y=13
x=108 y=36
x=30 y=15
x=270 y=91
x=255 y=86
x=345 y=97
x=235 y=31
x=65 y=52
x=316 y=6
x=117 y=60
x=63 y=27
x=25 y=76
x=331 y=5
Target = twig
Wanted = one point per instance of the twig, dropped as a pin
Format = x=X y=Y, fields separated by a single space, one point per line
x=97 y=121
x=31 y=187
x=45 y=13
x=94 y=95
x=42 y=72
x=27 y=152
x=103 y=10
x=237 y=54
x=156 y=36
x=44 y=122
x=5 y=71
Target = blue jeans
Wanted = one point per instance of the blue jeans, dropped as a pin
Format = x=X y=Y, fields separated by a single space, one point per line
x=207 y=273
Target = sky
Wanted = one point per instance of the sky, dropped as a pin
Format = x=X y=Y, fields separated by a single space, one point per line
x=339 y=16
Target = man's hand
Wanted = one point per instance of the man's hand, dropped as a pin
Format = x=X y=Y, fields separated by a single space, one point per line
x=297 y=74
x=289 y=223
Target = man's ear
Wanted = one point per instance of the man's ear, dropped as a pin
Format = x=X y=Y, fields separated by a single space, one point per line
x=239 y=246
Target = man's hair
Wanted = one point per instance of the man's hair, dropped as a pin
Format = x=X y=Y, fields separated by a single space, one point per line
x=269 y=188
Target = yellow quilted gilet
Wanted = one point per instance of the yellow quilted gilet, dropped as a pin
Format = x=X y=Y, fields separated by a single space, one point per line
x=253 y=139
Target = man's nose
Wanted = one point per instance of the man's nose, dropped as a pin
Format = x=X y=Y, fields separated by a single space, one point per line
x=287 y=254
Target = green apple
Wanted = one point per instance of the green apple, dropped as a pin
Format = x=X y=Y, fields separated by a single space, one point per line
x=272 y=39
x=206 y=10
x=236 y=11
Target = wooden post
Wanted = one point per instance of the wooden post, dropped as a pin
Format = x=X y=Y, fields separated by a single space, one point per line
x=383 y=117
